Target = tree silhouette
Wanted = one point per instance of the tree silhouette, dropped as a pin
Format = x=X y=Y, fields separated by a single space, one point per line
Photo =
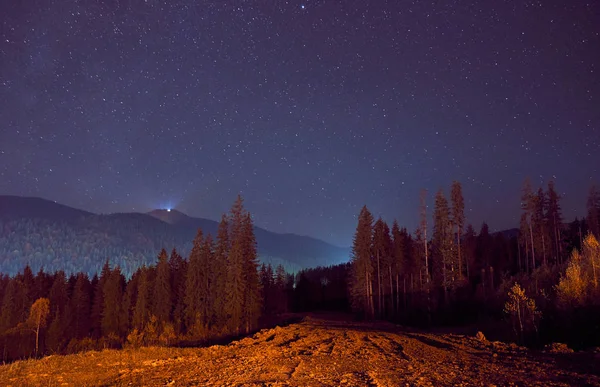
x=361 y=284
x=161 y=300
x=458 y=221
x=252 y=293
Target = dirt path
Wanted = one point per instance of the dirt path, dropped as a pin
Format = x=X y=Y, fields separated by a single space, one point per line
x=317 y=352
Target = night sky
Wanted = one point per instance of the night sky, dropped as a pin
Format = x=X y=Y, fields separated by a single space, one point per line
x=309 y=109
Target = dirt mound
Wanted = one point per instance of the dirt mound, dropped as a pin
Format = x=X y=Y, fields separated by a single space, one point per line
x=315 y=352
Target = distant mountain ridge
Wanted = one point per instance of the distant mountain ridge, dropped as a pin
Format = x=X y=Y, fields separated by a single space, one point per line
x=47 y=234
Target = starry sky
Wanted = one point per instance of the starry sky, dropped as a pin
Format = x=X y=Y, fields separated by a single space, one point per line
x=308 y=109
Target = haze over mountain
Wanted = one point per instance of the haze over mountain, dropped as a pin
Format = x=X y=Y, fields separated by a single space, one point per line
x=47 y=234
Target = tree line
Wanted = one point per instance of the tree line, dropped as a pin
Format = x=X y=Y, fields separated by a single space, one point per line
x=446 y=273
x=218 y=291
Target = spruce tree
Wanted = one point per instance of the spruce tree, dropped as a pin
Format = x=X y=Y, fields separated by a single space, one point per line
x=205 y=281
x=219 y=274
x=281 y=285
x=98 y=302
x=422 y=232
x=141 y=309
x=593 y=211
x=234 y=294
x=161 y=299
x=554 y=216
x=361 y=289
x=12 y=303
x=444 y=262
x=528 y=206
x=252 y=292
x=398 y=265
x=80 y=307
x=539 y=221
x=178 y=269
x=192 y=282
x=59 y=301
x=114 y=322
x=458 y=221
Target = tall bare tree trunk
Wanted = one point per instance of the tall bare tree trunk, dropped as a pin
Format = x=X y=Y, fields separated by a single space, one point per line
x=397 y=293
x=371 y=294
x=460 y=273
x=379 y=295
x=391 y=291
x=544 y=250
x=532 y=249
x=518 y=256
x=368 y=298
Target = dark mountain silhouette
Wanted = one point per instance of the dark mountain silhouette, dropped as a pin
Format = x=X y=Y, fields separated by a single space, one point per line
x=46 y=234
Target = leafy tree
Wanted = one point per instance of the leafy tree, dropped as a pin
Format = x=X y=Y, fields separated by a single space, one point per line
x=524 y=314
x=361 y=283
x=38 y=318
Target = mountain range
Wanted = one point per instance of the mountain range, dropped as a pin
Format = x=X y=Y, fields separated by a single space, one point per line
x=52 y=236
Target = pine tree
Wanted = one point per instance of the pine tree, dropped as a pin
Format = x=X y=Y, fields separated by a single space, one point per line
x=234 y=296
x=219 y=274
x=178 y=269
x=80 y=307
x=267 y=285
x=398 y=266
x=539 y=221
x=252 y=293
x=361 y=288
x=528 y=206
x=98 y=303
x=141 y=309
x=161 y=299
x=114 y=322
x=423 y=232
x=469 y=249
x=205 y=281
x=12 y=303
x=192 y=282
x=593 y=211
x=280 y=285
x=444 y=263
x=458 y=220
x=59 y=301
x=382 y=246
x=554 y=216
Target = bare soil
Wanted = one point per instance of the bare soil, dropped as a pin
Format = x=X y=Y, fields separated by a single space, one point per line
x=319 y=351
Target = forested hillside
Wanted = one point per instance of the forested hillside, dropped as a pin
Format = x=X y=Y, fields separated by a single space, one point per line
x=45 y=234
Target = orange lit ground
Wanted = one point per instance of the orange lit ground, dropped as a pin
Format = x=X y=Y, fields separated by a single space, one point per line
x=316 y=352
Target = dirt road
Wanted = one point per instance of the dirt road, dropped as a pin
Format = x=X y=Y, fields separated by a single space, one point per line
x=318 y=352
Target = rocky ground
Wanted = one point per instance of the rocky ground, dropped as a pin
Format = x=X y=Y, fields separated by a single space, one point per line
x=317 y=352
